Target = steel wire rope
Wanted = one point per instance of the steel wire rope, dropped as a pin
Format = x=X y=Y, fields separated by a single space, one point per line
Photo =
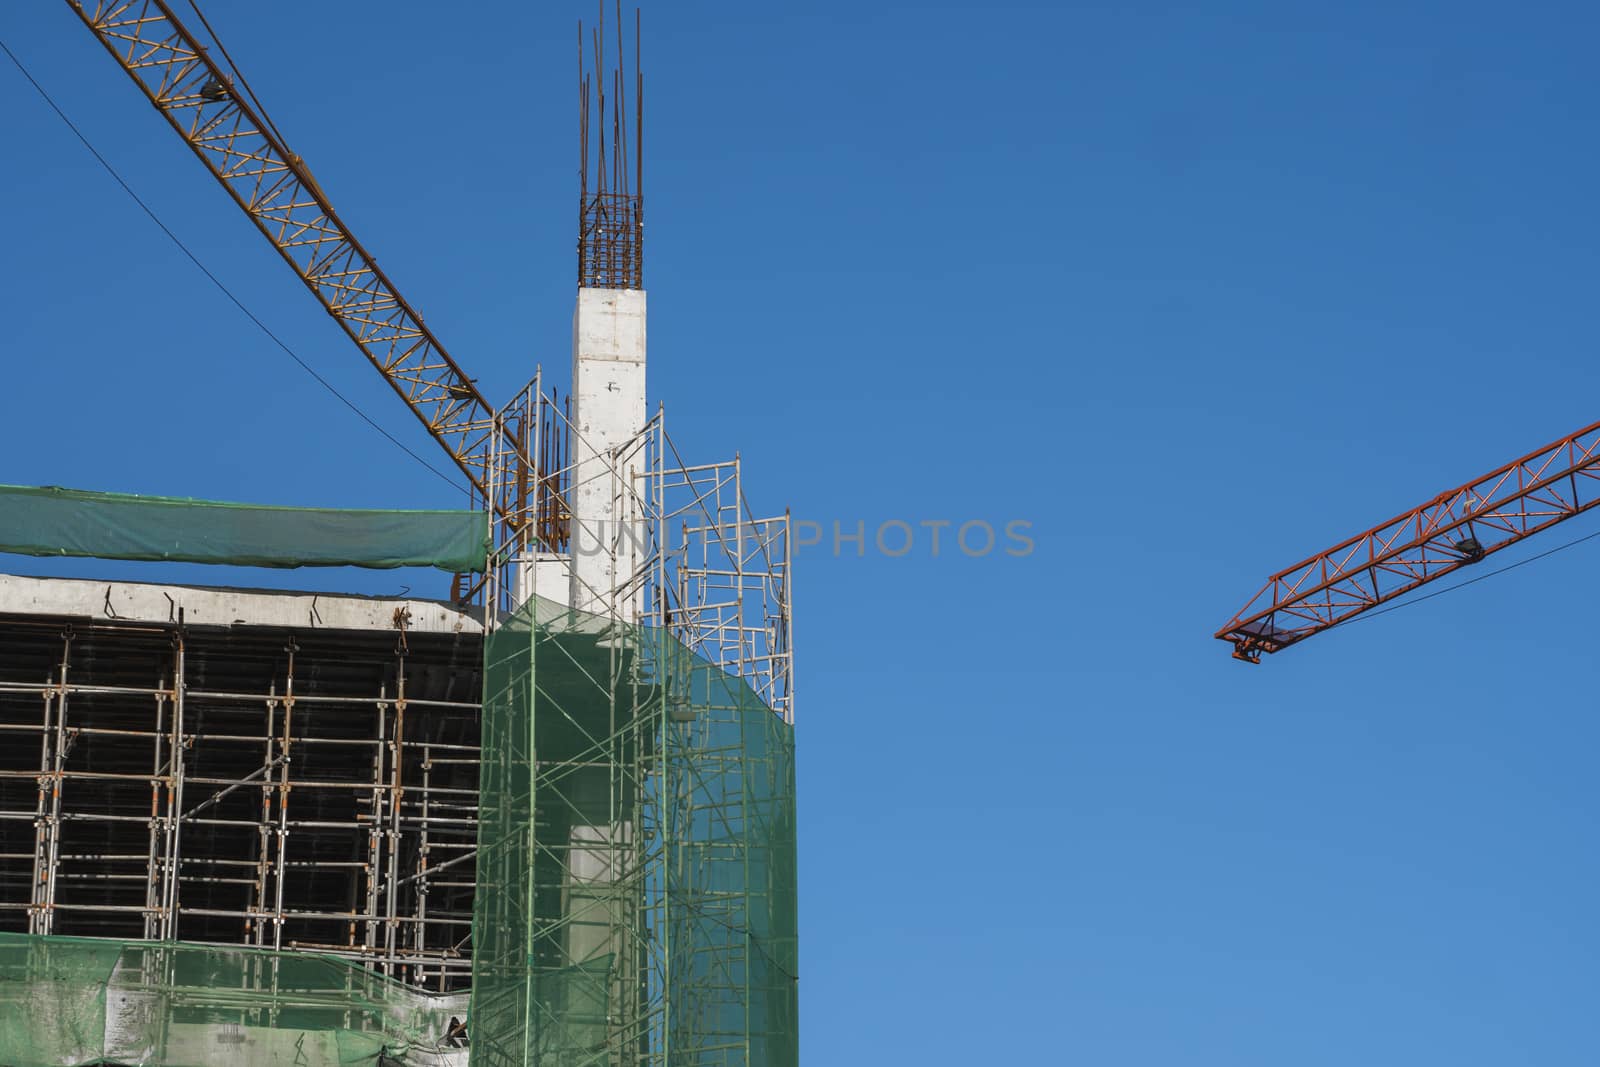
x=1470 y=581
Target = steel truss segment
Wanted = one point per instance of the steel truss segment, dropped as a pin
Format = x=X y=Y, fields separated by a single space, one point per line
x=1455 y=529
x=274 y=187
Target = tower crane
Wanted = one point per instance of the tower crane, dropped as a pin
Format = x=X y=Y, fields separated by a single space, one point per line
x=1457 y=528
x=196 y=88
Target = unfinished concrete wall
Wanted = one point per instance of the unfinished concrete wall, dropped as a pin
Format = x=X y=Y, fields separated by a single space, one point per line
x=608 y=410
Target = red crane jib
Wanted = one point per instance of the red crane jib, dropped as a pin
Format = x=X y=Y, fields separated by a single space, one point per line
x=1455 y=529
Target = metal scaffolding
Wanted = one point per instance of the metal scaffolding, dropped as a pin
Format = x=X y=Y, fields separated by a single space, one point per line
x=691 y=556
x=586 y=817
x=307 y=790
x=636 y=893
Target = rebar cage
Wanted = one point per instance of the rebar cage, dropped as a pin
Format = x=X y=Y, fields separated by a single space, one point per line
x=611 y=241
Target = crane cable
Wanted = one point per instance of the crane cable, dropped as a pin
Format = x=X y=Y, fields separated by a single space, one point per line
x=208 y=273
x=1470 y=581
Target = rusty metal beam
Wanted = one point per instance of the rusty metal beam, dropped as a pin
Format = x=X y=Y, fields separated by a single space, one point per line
x=1455 y=529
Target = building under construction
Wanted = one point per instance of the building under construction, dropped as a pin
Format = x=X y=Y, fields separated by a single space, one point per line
x=546 y=819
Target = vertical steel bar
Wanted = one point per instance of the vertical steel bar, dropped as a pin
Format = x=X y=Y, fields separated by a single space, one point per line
x=374 y=864
x=42 y=829
x=419 y=939
x=786 y=614
x=396 y=798
x=153 y=863
x=170 y=892
x=286 y=754
x=664 y=732
x=58 y=780
x=264 y=835
x=738 y=557
x=537 y=456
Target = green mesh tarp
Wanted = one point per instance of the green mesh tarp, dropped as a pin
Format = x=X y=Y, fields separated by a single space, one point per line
x=71 y=522
x=68 y=1001
x=635 y=899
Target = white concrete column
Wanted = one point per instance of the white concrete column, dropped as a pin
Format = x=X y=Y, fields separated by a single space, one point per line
x=547 y=575
x=608 y=409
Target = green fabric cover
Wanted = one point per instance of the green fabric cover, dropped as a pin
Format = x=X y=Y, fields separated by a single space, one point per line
x=78 y=1001
x=51 y=521
x=636 y=869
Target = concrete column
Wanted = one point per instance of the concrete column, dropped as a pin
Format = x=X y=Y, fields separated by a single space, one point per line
x=608 y=409
x=546 y=574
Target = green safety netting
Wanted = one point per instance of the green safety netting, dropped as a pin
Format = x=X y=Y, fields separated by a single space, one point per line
x=635 y=899
x=67 y=1001
x=51 y=521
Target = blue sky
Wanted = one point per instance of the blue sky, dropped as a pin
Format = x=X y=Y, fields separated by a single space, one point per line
x=1195 y=290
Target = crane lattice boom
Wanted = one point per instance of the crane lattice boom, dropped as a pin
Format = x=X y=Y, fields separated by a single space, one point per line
x=1457 y=528
x=276 y=190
